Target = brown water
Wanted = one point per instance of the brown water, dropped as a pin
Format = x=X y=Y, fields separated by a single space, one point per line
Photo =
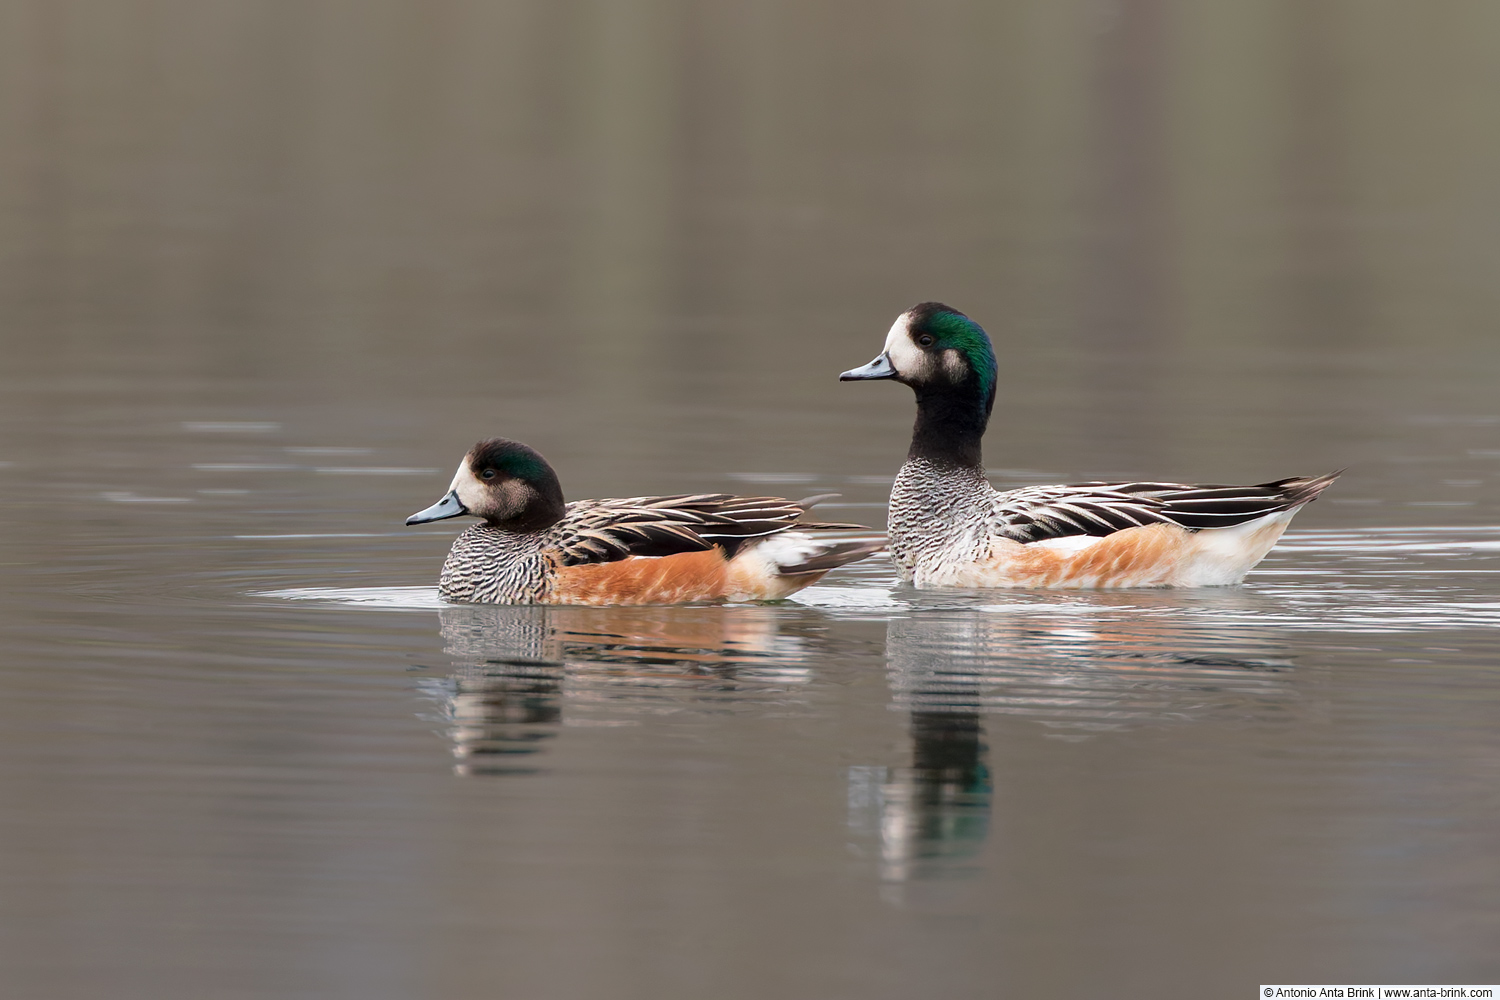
x=267 y=270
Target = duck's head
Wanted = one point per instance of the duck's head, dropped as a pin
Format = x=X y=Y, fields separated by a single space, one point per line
x=508 y=484
x=948 y=360
x=933 y=347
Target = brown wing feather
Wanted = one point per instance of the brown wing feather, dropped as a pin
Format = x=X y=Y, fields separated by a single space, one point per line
x=1036 y=513
x=836 y=555
x=599 y=531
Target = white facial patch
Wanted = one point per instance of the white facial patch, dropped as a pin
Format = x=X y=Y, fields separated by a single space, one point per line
x=906 y=357
x=955 y=365
x=470 y=491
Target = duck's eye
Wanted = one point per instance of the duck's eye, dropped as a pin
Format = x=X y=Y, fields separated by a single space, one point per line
x=925 y=339
x=487 y=474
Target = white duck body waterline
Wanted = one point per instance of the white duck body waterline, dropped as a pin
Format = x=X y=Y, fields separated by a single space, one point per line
x=950 y=528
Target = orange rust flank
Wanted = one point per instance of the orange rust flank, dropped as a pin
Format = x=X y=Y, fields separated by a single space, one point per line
x=1135 y=557
x=687 y=576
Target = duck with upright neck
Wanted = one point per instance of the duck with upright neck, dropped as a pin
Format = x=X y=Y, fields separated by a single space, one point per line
x=950 y=528
x=532 y=547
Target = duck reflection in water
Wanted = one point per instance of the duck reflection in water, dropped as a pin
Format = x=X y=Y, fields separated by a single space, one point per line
x=516 y=668
x=504 y=699
x=1080 y=669
x=932 y=816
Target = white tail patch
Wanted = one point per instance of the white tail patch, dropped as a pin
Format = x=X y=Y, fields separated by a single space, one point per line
x=789 y=548
x=1220 y=557
x=755 y=571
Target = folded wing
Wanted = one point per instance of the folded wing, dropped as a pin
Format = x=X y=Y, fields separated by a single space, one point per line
x=1038 y=513
x=596 y=531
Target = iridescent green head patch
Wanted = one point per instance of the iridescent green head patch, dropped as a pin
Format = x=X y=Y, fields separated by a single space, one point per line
x=510 y=458
x=952 y=330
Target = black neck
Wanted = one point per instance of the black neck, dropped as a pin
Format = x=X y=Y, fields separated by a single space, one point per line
x=539 y=506
x=538 y=518
x=950 y=423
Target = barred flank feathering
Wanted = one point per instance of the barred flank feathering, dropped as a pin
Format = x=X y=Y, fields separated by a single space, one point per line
x=488 y=565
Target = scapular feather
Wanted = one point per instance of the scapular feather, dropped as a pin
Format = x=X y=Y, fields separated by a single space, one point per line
x=1038 y=513
x=610 y=530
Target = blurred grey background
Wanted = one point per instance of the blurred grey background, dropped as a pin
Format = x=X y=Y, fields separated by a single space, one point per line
x=1213 y=240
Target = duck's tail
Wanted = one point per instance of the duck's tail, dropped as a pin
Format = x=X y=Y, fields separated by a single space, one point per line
x=1199 y=507
x=783 y=564
x=832 y=556
x=1303 y=489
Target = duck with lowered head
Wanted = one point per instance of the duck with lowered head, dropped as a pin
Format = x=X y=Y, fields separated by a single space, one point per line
x=532 y=547
x=950 y=528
